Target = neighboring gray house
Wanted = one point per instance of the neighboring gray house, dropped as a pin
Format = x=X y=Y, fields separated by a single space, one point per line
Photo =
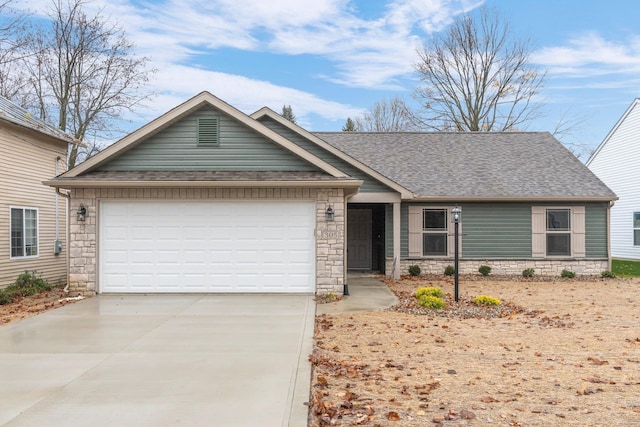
x=616 y=162
x=208 y=199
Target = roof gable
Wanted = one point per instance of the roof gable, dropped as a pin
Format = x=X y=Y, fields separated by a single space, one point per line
x=232 y=147
x=475 y=165
x=631 y=111
x=267 y=113
x=178 y=113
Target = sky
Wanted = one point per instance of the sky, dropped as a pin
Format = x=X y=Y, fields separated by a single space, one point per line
x=333 y=59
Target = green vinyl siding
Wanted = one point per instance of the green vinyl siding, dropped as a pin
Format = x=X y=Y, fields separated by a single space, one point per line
x=503 y=230
x=176 y=148
x=596 y=230
x=496 y=230
x=370 y=185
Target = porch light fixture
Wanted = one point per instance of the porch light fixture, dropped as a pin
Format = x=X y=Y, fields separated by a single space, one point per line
x=82 y=213
x=330 y=214
x=456 y=214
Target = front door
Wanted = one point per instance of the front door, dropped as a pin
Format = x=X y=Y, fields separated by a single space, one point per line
x=359 y=239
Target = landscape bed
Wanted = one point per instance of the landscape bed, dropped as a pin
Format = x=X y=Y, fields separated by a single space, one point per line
x=562 y=352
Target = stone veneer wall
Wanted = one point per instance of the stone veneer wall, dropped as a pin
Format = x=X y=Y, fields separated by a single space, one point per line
x=547 y=267
x=330 y=245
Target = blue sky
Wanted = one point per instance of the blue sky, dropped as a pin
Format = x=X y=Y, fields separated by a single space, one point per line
x=331 y=59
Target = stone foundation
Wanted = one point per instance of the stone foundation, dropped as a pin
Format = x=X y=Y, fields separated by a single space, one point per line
x=546 y=267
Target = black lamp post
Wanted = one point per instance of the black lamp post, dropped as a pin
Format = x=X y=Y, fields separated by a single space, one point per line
x=456 y=213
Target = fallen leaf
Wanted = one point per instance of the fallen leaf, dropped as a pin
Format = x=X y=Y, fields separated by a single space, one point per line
x=393 y=416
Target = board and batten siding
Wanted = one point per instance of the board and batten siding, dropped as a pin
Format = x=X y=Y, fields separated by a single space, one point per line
x=370 y=184
x=176 y=149
x=617 y=164
x=504 y=230
x=27 y=159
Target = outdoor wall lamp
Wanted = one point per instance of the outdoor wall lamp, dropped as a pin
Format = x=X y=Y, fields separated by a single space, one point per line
x=82 y=213
x=330 y=213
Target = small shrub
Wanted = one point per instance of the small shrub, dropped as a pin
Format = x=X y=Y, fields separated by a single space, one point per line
x=485 y=270
x=449 y=271
x=27 y=283
x=528 y=272
x=486 y=300
x=429 y=291
x=568 y=274
x=608 y=274
x=430 y=301
x=414 y=270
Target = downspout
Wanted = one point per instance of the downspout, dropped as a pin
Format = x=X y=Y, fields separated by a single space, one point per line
x=610 y=257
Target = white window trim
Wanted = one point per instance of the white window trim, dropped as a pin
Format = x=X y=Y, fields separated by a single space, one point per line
x=23 y=226
x=416 y=232
x=539 y=231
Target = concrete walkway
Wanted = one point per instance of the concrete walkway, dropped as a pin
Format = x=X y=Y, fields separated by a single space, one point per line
x=160 y=360
x=366 y=293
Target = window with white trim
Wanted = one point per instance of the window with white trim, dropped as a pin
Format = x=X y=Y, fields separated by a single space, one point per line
x=24 y=232
x=558 y=232
x=434 y=232
x=636 y=229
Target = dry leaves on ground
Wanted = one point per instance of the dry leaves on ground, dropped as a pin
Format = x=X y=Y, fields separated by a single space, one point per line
x=564 y=353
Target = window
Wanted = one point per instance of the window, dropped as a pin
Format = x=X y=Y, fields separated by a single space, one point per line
x=434 y=232
x=636 y=229
x=559 y=232
x=24 y=232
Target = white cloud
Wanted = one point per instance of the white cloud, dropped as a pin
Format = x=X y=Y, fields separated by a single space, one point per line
x=248 y=95
x=591 y=55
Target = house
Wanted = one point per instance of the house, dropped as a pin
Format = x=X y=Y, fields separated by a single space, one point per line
x=33 y=216
x=208 y=199
x=615 y=162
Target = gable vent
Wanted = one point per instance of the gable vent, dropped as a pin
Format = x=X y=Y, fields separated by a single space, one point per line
x=208 y=131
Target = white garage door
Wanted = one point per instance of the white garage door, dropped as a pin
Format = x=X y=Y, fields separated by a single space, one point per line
x=252 y=246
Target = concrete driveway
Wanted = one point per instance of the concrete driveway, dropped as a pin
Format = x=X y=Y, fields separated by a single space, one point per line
x=170 y=360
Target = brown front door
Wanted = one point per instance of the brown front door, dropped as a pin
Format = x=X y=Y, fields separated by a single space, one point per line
x=359 y=239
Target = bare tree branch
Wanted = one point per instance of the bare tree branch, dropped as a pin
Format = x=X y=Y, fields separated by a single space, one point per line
x=476 y=79
x=387 y=116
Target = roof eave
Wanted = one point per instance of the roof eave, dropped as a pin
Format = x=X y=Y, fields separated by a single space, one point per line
x=554 y=199
x=80 y=183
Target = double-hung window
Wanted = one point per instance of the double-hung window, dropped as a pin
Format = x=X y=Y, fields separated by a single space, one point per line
x=434 y=232
x=24 y=232
x=558 y=232
x=636 y=229
x=431 y=232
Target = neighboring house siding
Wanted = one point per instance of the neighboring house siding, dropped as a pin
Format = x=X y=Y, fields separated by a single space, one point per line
x=617 y=164
x=239 y=149
x=503 y=230
x=370 y=184
x=26 y=160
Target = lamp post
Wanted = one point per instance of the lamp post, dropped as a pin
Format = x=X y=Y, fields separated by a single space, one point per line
x=456 y=213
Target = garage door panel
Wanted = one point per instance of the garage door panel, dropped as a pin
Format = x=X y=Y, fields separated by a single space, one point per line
x=254 y=246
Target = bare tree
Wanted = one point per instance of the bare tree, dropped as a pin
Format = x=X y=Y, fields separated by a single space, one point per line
x=476 y=78
x=85 y=74
x=387 y=116
x=13 y=26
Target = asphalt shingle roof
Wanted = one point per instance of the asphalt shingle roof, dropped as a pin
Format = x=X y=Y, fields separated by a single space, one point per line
x=19 y=116
x=474 y=165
